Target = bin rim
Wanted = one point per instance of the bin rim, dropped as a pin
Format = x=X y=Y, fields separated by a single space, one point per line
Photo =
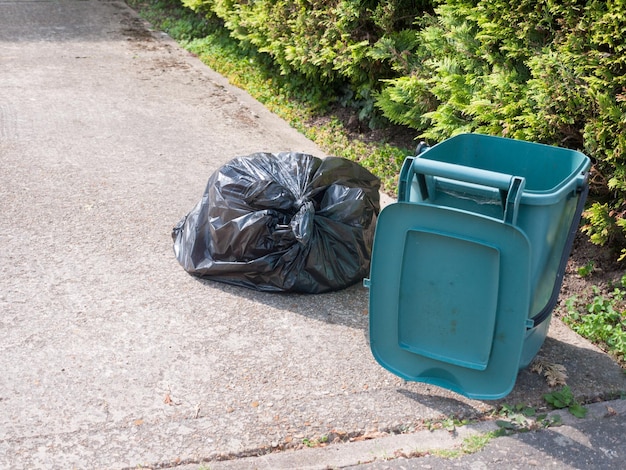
x=548 y=197
x=574 y=182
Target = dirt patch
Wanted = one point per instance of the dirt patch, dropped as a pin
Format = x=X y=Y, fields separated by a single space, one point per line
x=356 y=129
x=170 y=63
x=135 y=29
x=605 y=273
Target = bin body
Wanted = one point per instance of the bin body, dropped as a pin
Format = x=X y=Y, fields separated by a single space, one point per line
x=554 y=179
x=533 y=194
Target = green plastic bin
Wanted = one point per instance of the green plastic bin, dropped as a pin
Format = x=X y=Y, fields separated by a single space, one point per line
x=468 y=263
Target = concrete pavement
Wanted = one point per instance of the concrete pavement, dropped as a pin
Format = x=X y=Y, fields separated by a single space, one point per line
x=111 y=355
x=596 y=442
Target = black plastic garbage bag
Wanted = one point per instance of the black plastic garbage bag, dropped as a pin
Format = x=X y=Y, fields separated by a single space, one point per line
x=282 y=222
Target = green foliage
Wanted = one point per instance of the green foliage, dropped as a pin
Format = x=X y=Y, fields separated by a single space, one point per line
x=587 y=270
x=320 y=442
x=603 y=320
x=496 y=67
x=180 y=23
x=601 y=226
x=605 y=223
x=523 y=418
x=449 y=423
x=329 y=42
x=564 y=398
x=471 y=444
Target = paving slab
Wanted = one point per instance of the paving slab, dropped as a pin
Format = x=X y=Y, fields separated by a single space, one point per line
x=111 y=355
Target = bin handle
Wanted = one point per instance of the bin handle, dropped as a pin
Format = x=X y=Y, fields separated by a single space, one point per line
x=511 y=187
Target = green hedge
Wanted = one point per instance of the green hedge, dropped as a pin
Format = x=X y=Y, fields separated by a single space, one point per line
x=329 y=41
x=541 y=70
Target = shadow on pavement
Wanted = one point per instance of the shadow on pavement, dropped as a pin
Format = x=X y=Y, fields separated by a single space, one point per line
x=347 y=307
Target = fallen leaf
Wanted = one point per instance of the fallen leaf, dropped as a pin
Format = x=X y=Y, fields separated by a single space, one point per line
x=555 y=374
x=373 y=435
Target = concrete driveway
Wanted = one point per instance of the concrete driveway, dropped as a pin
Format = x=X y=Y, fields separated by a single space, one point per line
x=111 y=355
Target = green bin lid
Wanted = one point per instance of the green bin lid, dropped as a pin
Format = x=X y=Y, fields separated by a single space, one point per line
x=449 y=298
